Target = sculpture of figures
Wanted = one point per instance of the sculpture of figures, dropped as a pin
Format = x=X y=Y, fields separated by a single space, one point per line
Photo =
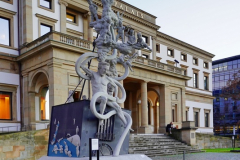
x=140 y=43
x=61 y=149
x=93 y=9
x=112 y=69
x=105 y=31
x=84 y=97
x=130 y=60
x=69 y=153
x=65 y=148
x=70 y=96
x=131 y=37
x=78 y=150
x=120 y=28
x=77 y=130
x=55 y=149
x=99 y=81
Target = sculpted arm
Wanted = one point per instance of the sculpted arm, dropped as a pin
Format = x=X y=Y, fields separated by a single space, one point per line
x=116 y=87
x=88 y=71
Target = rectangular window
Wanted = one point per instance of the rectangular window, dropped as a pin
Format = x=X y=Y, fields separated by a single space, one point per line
x=195 y=80
x=205 y=64
x=46 y=3
x=158 y=48
x=5 y=31
x=205 y=82
x=195 y=61
x=5 y=105
x=45 y=29
x=206 y=119
x=183 y=57
x=71 y=18
x=186 y=115
x=173 y=115
x=145 y=56
x=170 y=53
x=196 y=118
x=145 y=39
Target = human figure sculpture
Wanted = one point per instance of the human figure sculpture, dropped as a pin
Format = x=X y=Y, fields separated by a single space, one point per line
x=140 y=43
x=105 y=33
x=112 y=69
x=131 y=37
x=70 y=97
x=99 y=81
x=120 y=29
x=93 y=9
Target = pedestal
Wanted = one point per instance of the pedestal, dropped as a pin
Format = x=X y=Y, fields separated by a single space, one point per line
x=121 y=157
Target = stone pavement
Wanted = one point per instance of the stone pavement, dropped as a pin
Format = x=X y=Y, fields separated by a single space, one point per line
x=203 y=156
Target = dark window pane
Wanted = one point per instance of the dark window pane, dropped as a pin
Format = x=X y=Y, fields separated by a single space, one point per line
x=229 y=66
x=45 y=29
x=5 y=31
x=170 y=52
x=205 y=82
x=206 y=120
x=195 y=78
x=46 y=3
x=145 y=39
x=196 y=118
x=229 y=63
x=235 y=61
x=235 y=66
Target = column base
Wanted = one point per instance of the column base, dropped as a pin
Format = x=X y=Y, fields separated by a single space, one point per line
x=145 y=130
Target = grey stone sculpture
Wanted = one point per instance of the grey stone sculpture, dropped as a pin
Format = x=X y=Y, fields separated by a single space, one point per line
x=93 y=9
x=105 y=85
x=70 y=97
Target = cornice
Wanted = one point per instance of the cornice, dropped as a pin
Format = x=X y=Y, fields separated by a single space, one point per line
x=167 y=37
x=199 y=94
x=184 y=66
x=7 y=11
x=47 y=18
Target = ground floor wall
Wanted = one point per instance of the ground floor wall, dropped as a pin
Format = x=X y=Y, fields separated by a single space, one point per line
x=24 y=145
x=206 y=141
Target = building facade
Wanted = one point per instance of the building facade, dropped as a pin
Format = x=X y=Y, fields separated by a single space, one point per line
x=40 y=41
x=226 y=90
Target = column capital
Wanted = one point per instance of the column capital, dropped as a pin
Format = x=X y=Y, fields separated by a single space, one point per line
x=64 y=2
x=145 y=81
x=86 y=15
x=154 y=38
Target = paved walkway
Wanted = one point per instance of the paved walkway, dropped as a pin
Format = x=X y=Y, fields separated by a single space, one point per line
x=203 y=156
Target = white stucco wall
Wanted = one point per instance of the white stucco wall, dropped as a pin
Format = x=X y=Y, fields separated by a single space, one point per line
x=55 y=15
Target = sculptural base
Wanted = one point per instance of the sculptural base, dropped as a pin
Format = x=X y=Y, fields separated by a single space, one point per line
x=72 y=125
x=121 y=157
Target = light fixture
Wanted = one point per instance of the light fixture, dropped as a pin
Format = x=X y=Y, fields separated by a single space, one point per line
x=157 y=104
x=139 y=101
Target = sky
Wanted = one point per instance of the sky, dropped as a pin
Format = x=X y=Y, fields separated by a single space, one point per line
x=212 y=25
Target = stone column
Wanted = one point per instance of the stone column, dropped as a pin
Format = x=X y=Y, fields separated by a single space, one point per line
x=90 y=30
x=183 y=104
x=63 y=21
x=154 y=48
x=165 y=107
x=25 y=116
x=144 y=104
x=27 y=21
x=31 y=110
x=85 y=25
x=130 y=102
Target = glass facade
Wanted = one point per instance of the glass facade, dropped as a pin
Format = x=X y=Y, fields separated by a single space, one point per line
x=226 y=105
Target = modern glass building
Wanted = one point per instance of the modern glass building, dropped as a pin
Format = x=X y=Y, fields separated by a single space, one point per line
x=226 y=105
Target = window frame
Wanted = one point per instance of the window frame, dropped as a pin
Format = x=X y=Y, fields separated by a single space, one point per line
x=195 y=80
x=196 y=61
x=157 y=47
x=7 y=14
x=206 y=111
x=10 y=96
x=74 y=13
x=52 y=3
x=172 y=51
x=185 y=60
x=8 y=1
x=46 y=21
x=196 y=110
x=207 y=65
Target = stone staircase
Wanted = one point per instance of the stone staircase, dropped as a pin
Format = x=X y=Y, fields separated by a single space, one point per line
x=158 y=145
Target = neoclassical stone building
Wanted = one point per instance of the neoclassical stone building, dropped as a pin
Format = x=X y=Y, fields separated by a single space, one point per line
x=40 y=40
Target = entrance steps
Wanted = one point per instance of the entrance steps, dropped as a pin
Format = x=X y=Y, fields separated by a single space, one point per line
x=158 y=145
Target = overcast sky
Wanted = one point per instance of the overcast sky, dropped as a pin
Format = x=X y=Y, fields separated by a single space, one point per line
x=212 y=25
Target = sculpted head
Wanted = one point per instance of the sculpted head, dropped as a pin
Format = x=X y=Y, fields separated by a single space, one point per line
x=103 y=67
x=139 y=35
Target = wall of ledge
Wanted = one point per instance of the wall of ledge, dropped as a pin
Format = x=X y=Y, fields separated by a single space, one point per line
x=208 y=141
x=30 y=145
